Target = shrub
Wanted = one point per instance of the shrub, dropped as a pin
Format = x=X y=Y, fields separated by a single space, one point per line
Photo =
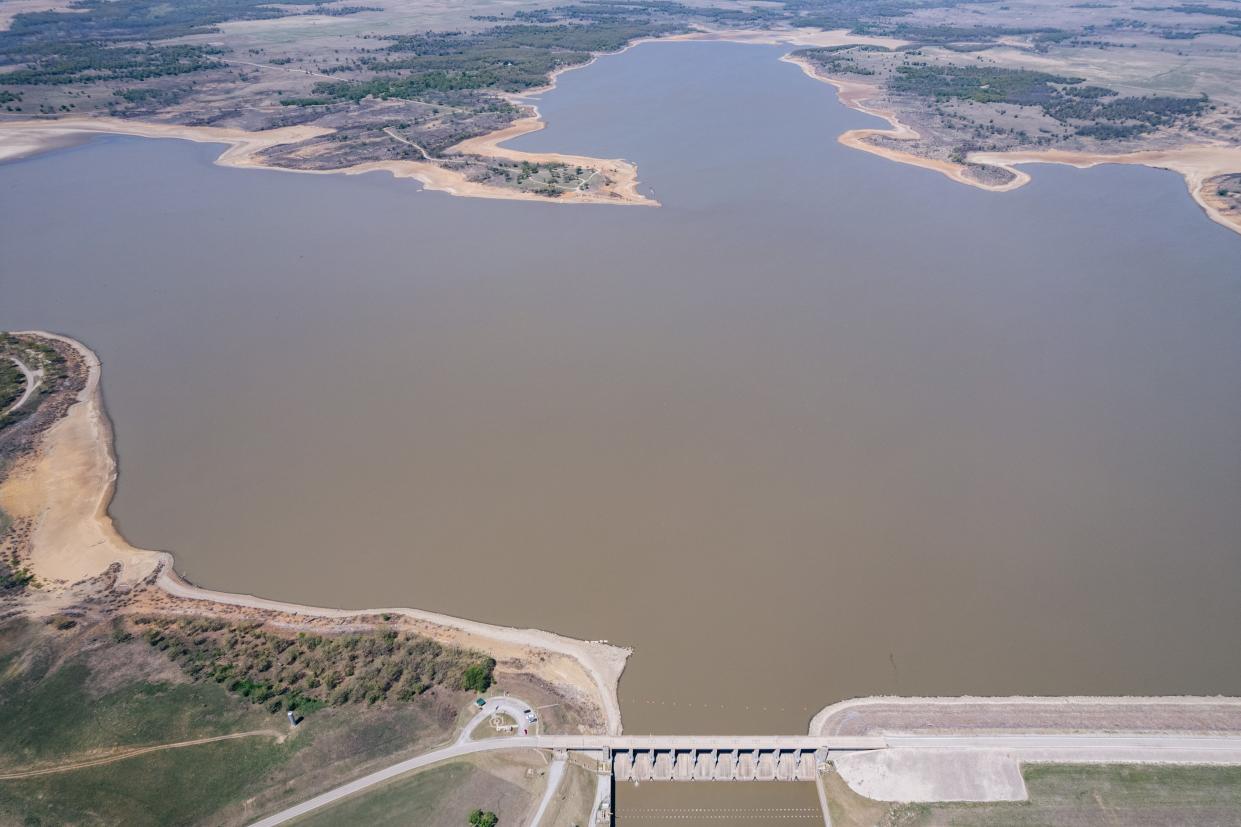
x=477 y=677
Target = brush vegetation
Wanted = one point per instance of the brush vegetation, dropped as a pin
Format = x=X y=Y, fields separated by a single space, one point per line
x=305 y=672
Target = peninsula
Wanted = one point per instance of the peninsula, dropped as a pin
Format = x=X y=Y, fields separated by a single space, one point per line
x=432 y=95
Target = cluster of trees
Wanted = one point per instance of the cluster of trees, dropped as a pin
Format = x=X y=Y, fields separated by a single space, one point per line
x=306 y=101
x=140 y=20
x=609 y=11
x=854 y=15
x=1098 y=112
x=52 y=64
x=158 y=96
x=835 y=60
x=13 y=577
x=503 y=58
x=1202 y=8
x=983 y=84
x=104 y=40
x=309 y=671
x=943 y=35
x=38 y=355
x=480 y=819
x=12 y=383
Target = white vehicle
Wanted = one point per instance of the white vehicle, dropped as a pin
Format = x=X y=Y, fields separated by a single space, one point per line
x=531 y=717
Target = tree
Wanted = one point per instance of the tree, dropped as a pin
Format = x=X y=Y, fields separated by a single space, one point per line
x=480 y=819
x=477 y=677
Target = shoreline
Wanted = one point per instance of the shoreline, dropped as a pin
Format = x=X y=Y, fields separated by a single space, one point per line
x=29 y=137
x=67 y=486
x=1196 y=163
x=46 y=134
x=853 y=94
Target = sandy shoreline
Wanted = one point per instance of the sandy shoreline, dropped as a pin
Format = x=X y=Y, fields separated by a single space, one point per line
x=24 y=138
x=65 y=489
x=854 y=95
x=1196 y=164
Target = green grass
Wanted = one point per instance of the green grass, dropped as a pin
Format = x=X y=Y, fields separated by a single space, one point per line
x=1133 y=795
x=48 y=714
x=412 y=800
x=54 y=709
x=181 y=786
x=12 y=383
x=439 y=796
x=42 y=720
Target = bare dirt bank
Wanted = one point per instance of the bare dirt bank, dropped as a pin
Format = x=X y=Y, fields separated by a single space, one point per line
x=22 y=138
x=624 y=175
x=64 y=490
x=855 y=95
x=968 y=715
x=1197 y=163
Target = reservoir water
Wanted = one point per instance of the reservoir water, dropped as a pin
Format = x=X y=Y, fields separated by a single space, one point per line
x=821 y=426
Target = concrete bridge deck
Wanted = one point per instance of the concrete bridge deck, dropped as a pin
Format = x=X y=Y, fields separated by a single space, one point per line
x=714 y=757
x=832 y=743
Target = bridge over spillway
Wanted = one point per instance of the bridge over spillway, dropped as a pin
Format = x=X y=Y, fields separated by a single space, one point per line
x=712 y=757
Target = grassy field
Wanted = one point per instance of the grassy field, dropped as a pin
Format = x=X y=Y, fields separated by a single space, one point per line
x=486 y=730
x=440 y=796
x=72 y=694
x=147 y=790
x=575 y=799
x=1066 y=796
x=51 y=710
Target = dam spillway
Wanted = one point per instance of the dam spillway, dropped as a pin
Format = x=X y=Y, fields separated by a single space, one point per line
x=736 y=764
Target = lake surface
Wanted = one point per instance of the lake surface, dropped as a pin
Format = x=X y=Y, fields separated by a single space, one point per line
x=821 y=426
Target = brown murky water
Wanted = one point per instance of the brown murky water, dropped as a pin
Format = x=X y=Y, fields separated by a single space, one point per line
x=821 y=426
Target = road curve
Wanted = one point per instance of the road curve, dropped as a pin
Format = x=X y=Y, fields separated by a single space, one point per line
x=33 y=378
x=513 y=707
x=458 y=750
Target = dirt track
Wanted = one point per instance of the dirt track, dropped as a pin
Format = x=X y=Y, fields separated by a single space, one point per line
x=132 y=753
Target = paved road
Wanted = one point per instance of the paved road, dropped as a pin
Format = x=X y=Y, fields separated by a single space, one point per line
x=1091 y=748
x=458 y=750
x=554 y=775
x=823 y=807
x=515 y=708
x=1207 y=749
